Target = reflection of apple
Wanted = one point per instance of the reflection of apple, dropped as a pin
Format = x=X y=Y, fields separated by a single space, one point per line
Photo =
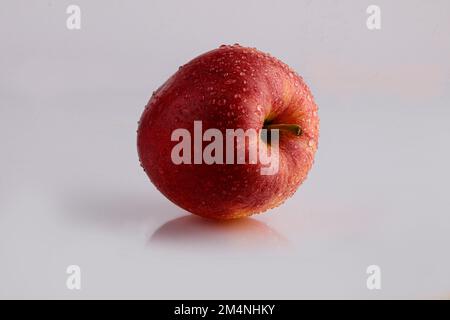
x=232 y=87
x=195 y=232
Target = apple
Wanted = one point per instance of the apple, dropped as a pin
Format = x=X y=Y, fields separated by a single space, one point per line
x=226 y=89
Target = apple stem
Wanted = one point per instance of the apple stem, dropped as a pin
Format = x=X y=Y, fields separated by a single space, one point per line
x=294 y=128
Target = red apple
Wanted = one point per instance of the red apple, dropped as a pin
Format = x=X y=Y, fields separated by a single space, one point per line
x=232 y=87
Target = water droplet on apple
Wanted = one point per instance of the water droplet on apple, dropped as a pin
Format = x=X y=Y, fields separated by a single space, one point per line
x=230 y=81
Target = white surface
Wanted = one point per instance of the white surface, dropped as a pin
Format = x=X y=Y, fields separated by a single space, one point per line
x=72 y=191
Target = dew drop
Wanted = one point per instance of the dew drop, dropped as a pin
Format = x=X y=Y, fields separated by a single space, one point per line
x=230 y=81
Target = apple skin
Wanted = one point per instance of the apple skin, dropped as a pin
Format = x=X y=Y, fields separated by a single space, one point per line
x=229 y=88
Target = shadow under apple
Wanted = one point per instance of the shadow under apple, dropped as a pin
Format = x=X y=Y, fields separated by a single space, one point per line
x=118 y=210
x=196 y=232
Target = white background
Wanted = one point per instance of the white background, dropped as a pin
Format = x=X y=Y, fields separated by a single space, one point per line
x=72 y=191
